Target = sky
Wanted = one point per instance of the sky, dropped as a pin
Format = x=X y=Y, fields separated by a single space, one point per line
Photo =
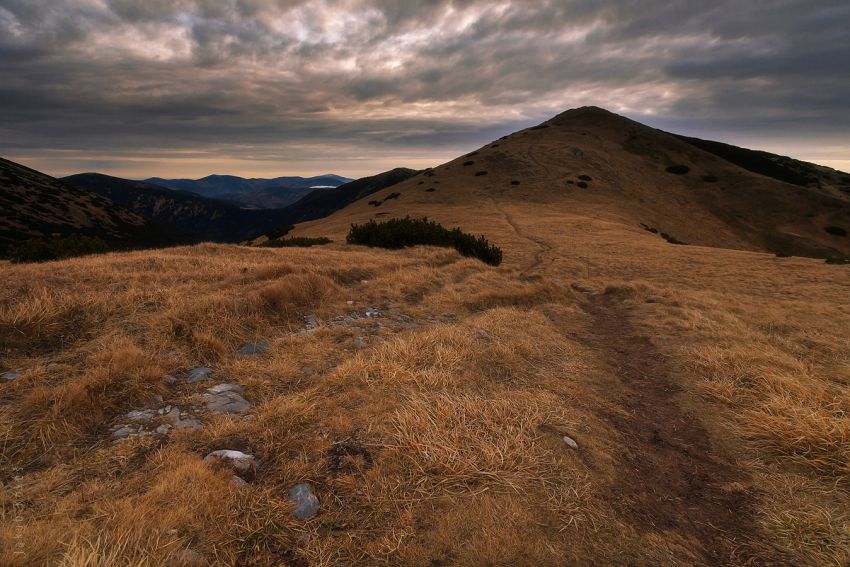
x=263 y=88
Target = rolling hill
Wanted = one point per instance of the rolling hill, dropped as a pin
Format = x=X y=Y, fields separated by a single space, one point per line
x=590 y=162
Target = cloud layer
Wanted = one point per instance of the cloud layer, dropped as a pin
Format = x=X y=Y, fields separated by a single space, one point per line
x=188 y=87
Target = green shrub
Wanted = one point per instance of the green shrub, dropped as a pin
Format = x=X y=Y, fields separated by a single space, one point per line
x=296 y=241
x=279 y=231
x=401 y=233
x=55 y=248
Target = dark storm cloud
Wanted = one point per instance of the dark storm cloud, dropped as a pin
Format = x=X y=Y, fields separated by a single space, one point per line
x=259 y=79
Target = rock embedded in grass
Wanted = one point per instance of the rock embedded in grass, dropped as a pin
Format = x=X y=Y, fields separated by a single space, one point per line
x=241 y=463
x=305 y=504
x=10 y=375
x=226 y=398
x=198 y=374
x=252 y=349
x=571 y=443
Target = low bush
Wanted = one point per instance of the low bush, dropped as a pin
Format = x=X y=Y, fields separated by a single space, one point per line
x=480 y=173
x=279 y=231
x=835 y=230
x=296 y=241
x=514 y=182
x=710 y=178
x=467 y=163
x=838 y=261
x=401 y=233
x=582 y=184
x=55 y=248
x=585 y=178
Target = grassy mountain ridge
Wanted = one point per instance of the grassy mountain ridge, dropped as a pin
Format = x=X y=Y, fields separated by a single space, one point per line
x=594 y=162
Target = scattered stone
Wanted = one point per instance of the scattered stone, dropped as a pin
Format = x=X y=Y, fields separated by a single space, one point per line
x=571 y=443
x=349 y=302
x=198 y=374
x=372 y=313
x=305 y=504
x=141 y=416
x=123 y=432
x=239 y=482
x=221 y=388
x=170 y=380
x=307 y=371
x=242 y=464
x=11 y=375
x=310 y=322
x=157 y=399
x=360 y=342
x=226 y=398
x=252 y=349
x=181 y=420
x=163 y=429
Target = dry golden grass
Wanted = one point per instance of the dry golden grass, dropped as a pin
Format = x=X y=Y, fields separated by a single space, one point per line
x=436 y=437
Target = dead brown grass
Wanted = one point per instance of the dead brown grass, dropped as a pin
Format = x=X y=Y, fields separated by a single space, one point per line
x=432 y=438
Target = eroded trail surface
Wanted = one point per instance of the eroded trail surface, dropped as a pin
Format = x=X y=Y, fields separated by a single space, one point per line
x=672 y=484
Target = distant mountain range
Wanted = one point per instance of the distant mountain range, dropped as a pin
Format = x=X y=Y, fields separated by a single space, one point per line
x=255 y=192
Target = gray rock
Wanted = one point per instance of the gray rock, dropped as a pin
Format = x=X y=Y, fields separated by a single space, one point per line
x=307 y=371
x=372 y=313
x=221 y=388
x=311 y=323
x=178 y=420
x=11 y=375
x=190 y=423
x=141 y=416
x=163 y=429
x=198 y=374
x=239 y=482
x=226 y=400
x=170 y=380
x=360 y=342
x=241 y=463
x=123 y=432
x=571 y=443
x=252 y=349
x=305 y=504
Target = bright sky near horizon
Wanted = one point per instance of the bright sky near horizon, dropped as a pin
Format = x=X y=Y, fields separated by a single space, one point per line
x=262 y=88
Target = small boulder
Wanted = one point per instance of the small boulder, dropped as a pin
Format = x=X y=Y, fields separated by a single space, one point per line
x=241 y=463
x=170 y=380
x=226 y=398
x=198 y=374
x=163 y=429
x=571 y=443
x=305 y=504
x=252 y=349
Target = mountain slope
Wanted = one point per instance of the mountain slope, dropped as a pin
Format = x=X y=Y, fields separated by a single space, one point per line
x=595 y=163
x=34 y=205
x=221 y=185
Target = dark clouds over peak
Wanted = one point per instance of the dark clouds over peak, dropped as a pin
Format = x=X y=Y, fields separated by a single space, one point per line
x=188 y=87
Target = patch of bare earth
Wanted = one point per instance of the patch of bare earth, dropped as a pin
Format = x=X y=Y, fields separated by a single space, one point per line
x=673 y=484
